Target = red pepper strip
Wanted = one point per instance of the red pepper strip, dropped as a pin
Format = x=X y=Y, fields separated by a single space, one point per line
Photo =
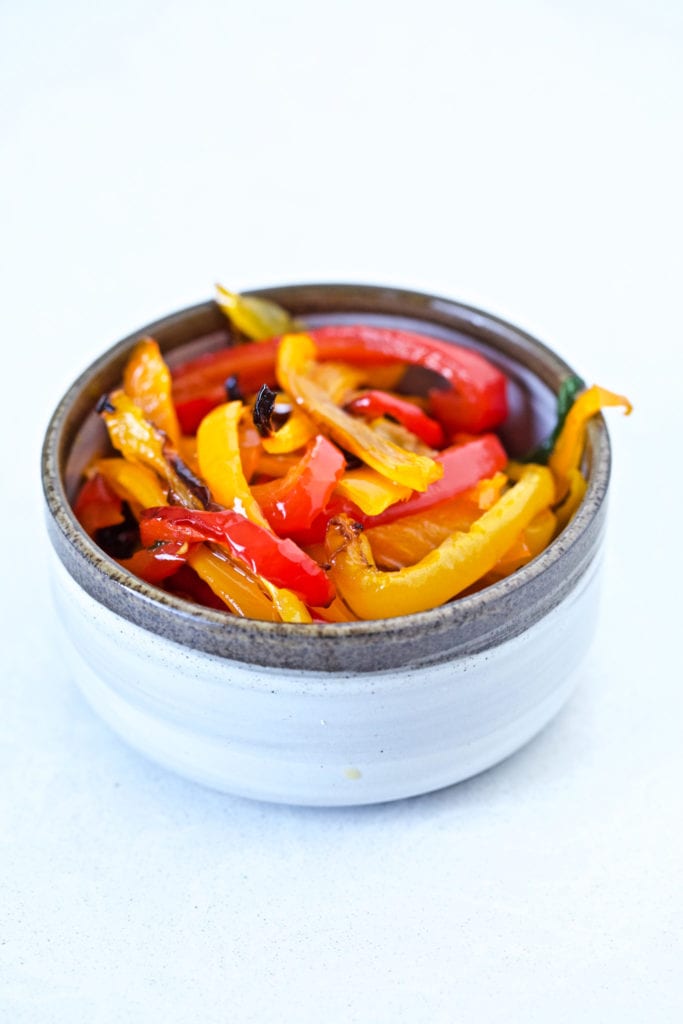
x=279 y=561
x=480 y=386
x=382 y=403
x=192 y=411
x=463 y=467
x=292 y=502
x=479 y=402
x=97 y=505
x=253 y=364
x=158 y=564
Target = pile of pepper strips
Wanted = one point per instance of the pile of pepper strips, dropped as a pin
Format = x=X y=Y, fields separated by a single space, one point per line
x=285 y=478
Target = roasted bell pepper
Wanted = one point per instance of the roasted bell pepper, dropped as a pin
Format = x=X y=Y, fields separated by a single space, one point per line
x=291 y=503
x=262 y=552
x=97 y=505
x=218 y=451
x=147 y=380
x=576 y=489
x=298 y=430
x=187 y=583
x=141 y=442
x=477 y=400
x=257 y=318
x=568 y=448
x=530 y=543
x=369 y=491
x=238 y=588
x=296 y=357
x=132 y=482
x=405 y=541
x=463 y=466
x=191 y=411
x=447 y=570
x=382 y=403
x=159 y=563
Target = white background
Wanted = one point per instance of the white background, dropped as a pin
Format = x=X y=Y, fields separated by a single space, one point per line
x=524 y=157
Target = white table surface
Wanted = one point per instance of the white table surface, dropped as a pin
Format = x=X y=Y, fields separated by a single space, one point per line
x=523 y=157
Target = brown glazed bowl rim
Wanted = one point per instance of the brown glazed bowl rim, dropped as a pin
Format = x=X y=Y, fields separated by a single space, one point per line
x=463 y=628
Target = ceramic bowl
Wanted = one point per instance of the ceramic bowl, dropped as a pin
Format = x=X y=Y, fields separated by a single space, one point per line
x=329 y=714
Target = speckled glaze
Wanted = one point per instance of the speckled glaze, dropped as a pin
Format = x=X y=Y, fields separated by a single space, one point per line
x=237 y=704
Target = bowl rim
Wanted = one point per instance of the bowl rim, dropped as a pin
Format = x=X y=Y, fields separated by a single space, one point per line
x=567 y=557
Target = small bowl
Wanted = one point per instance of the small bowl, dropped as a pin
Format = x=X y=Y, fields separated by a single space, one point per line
x=329 y=714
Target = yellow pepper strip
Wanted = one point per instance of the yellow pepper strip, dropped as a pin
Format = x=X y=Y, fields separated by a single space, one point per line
x=295 y=360
x=369 y=490
x=574 y=497
x=407 y=540
x=234 y=585
x=290 y=608
x=298 y=430
x=140 y=441
x=396 y=433
x=445 y=571
x=339 y=380
x=131 y=482
x=218 y=452
x=147 y=380
x=568 y=449
x=259 y=319
x=530 y=543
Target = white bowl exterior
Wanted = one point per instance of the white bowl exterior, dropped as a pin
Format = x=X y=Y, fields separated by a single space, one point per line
x=323 y=739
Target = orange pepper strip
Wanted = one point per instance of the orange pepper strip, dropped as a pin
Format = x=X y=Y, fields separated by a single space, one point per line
x=147 y=380
x=277 y=465
x=449 y=569
x=530 y=543
x=568 y=448
x=295 y=361
x=405 y=541
x=336 y=612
